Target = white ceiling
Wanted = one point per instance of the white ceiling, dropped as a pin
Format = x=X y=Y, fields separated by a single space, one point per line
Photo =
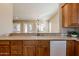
x=34 y=10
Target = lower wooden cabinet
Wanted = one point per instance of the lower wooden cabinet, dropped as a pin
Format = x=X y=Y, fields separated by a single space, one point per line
x=4 y=48
x=76 y=48
x=24 y=48
x=42 y=51
x=16 y=48
x=70 y=48
x=4 y=51
x=43 y=48
x=36 y=48
x=29 y=51
x=29 y=48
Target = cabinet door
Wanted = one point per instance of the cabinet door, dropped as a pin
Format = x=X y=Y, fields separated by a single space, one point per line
x=70 y=15
x=29 y=48
x=77 y=48
x=78 y=12
x=70 y=48
x=16 y=48
x=4 y=48
x=42 y=51
x=74 y=15
x=66 y=15
x=43 y=48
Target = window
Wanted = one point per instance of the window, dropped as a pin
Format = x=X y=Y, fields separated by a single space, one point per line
x=33 y=26
x=28 y=28
x=42 y=26
x=17 y=27
x=25 y=28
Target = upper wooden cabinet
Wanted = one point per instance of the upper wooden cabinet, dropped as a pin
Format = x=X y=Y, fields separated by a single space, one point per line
x=70 y=15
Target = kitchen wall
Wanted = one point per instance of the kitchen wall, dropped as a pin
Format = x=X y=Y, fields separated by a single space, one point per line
x=6 y=17
x=34 y=10
x=55 y=23
x=7 y=13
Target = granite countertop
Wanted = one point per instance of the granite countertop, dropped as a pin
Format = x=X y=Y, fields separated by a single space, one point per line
x=52 y=38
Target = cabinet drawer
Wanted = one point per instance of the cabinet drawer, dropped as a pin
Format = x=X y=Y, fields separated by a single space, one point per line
x=43 y=43
x=29 y=43
x=70 y=48
x=16 y=48
x=15 y=43
x=4 y=42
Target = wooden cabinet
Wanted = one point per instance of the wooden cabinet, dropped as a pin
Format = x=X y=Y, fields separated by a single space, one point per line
x=70 y=15
x=76 y=48
x=24 y=48
x=36 y=48
x=4 y=48
x=16 y=48
x=70 y=47
x=43 y=48
x=29 y=48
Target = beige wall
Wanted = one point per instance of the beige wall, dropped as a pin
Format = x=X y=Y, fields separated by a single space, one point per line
x=6 y=17
x=34 y=10
x=55 y=23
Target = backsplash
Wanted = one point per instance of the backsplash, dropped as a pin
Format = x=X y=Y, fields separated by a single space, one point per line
x=65 y=30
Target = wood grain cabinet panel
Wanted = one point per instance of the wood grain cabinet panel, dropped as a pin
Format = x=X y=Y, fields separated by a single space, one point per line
x=29 y=48
x=4 y=48
x=77 y=48
x=42 y=43
x=4 y=51
x=70 y=15
x=29 y=51
x=25 y=48
x=4 y=42
x=43 y=48
x=70 y=48
x=16 y=48
x=42 y=51
x=36 y=48
x=66 y=14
